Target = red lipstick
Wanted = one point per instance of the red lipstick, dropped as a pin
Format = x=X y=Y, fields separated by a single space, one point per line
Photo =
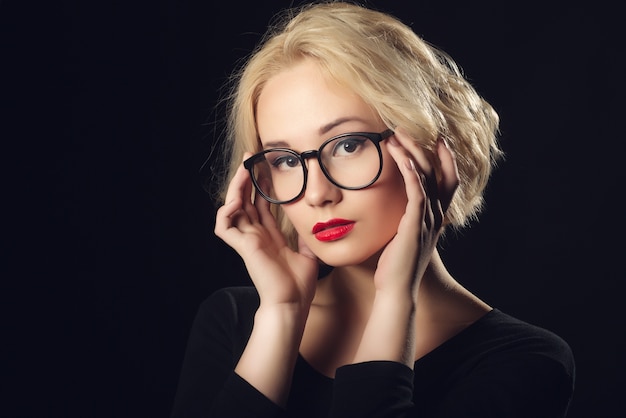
x=333 y=229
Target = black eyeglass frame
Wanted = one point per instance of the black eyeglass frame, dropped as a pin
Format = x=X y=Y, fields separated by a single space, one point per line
x=376 y=138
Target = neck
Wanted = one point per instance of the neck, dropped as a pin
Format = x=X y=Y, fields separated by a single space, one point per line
x=443 y=305
x=350 y=287
x=441 y=296
x=355 y=284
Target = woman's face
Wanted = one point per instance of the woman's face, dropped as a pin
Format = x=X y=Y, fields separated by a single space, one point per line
x=300 y=108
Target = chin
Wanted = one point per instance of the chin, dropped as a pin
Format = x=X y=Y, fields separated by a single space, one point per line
x=345 y=256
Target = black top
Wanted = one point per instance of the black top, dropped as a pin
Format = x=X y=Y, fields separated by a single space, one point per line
x=497 y=367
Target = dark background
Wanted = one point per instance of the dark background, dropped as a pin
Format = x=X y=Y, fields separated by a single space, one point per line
x=108 y=114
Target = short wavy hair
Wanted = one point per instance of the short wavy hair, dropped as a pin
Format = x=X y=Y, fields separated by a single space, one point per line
x=407 y=81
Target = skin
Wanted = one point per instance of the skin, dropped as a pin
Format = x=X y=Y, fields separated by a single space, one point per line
x=389 y=296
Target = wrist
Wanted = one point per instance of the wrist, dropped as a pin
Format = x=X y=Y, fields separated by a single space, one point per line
x=283 y=314
x=270 y=355
x=393 y=300
x=390 y=331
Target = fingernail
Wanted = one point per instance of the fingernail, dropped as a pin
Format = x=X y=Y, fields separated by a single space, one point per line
x=392 y=141
x=410 y=165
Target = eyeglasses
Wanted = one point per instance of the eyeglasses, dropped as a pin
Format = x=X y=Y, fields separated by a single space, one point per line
x=351 y=161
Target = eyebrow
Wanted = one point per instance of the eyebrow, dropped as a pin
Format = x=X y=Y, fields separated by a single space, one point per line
x=326 y=128
x=322 y=130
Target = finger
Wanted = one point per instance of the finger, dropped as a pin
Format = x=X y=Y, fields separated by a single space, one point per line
x=249 y=202
x=267 y=219
x=241 y=187
x=421 y=198
x=414 y=182
x=425 y=161
x=263 y=209
x=262 y=205
x=249 y=194
x=421 y=156
x=237 y=184
x=225 y=217
x=449 y=174
x=232 y=215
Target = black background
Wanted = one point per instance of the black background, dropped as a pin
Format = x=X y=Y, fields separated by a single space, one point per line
x=108 y=114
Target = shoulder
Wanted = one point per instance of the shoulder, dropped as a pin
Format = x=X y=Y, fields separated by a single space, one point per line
x=525 y=359
x=512 y=335
x=499 y=336
x=233 y=304
x=503 y=364
x=227 y=316
x=501 y=346
x=239 y=296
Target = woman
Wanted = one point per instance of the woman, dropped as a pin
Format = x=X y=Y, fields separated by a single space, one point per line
x=354 y=145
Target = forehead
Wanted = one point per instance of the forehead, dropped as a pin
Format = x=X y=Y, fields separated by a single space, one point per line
x=303 y=102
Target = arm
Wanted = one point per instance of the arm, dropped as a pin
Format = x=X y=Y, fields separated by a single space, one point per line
x=381 y=372
x=502 y=385
x=285 y=281
x=269 y=358
x=207 y=384
x=511 y=369
x=527 y=385
x=390 y=332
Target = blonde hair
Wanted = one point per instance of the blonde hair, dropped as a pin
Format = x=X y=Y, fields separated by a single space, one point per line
x=408 y=82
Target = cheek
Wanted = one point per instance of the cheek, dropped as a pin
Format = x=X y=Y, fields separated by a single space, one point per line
x=382 y=205
x=295 y=216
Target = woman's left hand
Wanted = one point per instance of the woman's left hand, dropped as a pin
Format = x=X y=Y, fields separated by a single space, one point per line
x=390 y=333
x=404 y=260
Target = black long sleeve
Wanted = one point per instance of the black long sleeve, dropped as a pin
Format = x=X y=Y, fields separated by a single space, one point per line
x=208 y=385
x=498 y=367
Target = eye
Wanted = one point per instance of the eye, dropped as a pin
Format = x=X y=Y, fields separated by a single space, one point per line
x=282 y=161
x=348 y=146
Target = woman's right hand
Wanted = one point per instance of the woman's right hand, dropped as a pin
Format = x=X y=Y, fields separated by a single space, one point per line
x=280 y=275
x=285 y=280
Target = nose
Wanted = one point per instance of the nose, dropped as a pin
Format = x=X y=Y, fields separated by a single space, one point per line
x=319 y=190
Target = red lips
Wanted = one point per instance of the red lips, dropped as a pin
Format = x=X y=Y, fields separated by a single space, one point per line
x=333 y=229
